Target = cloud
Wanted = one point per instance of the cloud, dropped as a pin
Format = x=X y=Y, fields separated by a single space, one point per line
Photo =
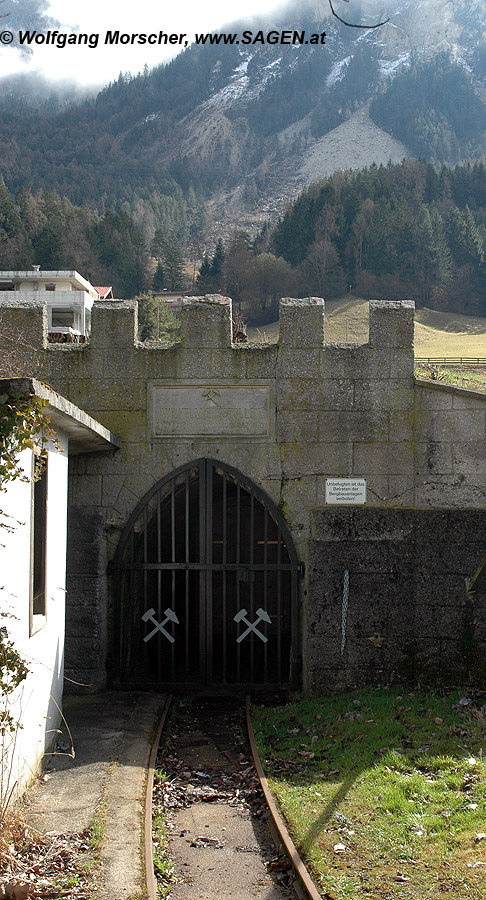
x=104 y=63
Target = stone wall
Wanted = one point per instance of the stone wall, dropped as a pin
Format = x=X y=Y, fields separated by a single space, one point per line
x=290 y=416
x=450 y=447
x=407 y=615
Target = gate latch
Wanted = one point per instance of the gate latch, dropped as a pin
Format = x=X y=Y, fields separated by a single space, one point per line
x=246 y=575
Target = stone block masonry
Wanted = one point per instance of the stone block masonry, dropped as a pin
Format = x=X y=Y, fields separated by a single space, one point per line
x=289 y=416
x=407 y=615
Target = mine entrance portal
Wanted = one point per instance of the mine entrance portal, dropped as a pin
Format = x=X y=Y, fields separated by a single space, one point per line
x=206 y=580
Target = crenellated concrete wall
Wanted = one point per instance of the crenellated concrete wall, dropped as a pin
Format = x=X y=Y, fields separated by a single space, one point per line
x=290 y=416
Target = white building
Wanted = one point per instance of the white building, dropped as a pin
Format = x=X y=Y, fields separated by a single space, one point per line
x=33 y=578
x=69 y=297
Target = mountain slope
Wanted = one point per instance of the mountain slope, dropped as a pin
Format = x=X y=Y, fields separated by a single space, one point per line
x=251 y=125
x=354 y=143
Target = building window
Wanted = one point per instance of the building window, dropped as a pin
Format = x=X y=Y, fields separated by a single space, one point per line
x=50 y=287
x=63 y=318
x=38 y=543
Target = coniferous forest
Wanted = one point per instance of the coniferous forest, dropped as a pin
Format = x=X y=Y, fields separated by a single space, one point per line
x=401 y=231
x=434 y=109
x=130 y=185
x=48 y=230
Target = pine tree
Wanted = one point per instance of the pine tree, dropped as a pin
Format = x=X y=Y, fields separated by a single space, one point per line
x=158 y=243
x=173 y=261
x=464 y=237
x=156 y=320
x=158 y=281
x=147 y=317
x=469 y=281
x=203 y=280
x=216 y=271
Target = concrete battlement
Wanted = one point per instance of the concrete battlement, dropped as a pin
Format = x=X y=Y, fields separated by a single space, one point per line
x=308 y=409
x=206 y=323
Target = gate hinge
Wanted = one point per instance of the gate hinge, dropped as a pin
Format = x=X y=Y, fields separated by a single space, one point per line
x=301 y=569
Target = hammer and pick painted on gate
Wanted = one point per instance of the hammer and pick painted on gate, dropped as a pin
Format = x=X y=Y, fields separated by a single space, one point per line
x=170 y=616
x=241 y=616
x=262 y=616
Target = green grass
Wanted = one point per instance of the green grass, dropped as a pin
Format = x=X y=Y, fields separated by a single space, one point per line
x=383 y=792
x=457 y=376
x=164 y=867
x=98 y=827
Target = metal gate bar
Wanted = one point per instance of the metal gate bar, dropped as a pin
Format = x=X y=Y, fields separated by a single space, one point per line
x=187 y=510
x=238 y=562
x=252 y=592
x=208 y=525
x=279 y=595
x=210 y=567
x=265 y=583
x=225 y=598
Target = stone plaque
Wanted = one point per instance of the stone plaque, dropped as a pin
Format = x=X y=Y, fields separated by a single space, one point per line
x=345 y=491
x=211 y=410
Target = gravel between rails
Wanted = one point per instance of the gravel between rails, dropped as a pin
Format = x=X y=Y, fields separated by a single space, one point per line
x=214 y=810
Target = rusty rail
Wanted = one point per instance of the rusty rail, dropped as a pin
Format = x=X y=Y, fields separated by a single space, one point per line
x=149 y=850
x=305 y=880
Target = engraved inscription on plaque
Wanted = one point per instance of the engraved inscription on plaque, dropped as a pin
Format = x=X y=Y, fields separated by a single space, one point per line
x=220 y=410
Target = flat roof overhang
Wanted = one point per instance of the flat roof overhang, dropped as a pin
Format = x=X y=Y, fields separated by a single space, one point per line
x=85 y=434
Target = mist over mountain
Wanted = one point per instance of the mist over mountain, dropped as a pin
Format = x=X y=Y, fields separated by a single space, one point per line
x=238 y=129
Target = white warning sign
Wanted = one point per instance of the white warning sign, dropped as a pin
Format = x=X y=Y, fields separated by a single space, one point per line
x=345 y=491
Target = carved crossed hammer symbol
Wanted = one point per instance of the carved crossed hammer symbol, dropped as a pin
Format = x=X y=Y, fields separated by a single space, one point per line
x=210 y=394
x=159 y=626
x=252 y=626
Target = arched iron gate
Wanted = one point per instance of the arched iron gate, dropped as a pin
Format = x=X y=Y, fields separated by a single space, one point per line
x=206 y=581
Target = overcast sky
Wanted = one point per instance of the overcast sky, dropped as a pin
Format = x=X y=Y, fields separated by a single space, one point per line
x=104 y=63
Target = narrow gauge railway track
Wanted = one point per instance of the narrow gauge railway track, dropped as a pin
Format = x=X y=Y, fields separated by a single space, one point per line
x=218 y=815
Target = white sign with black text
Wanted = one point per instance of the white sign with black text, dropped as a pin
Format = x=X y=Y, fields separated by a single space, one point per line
x=345 y=491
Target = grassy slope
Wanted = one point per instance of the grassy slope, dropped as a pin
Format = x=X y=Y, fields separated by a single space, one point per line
x=383 y=791
x=436 y=333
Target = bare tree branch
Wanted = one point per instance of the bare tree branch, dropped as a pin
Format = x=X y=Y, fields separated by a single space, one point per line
x=352 y=24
